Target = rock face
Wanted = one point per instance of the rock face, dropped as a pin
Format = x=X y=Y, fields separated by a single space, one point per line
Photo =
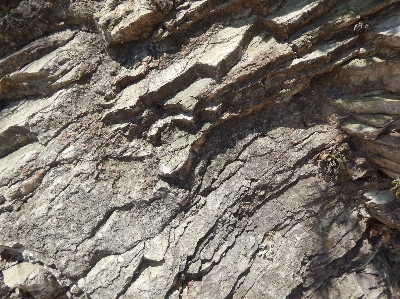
x=199 y=149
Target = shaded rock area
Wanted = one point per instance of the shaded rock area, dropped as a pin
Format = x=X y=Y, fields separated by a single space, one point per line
x=199 y=149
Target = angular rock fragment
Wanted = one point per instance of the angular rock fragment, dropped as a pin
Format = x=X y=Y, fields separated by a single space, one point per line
x=34 y=279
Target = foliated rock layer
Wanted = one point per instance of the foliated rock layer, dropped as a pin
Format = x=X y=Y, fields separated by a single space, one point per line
x=201 y=149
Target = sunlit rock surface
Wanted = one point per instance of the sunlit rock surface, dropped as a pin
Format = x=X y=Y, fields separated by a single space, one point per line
x=201 y=149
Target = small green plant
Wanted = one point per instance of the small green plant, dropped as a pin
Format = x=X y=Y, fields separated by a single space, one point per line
x=396 y=186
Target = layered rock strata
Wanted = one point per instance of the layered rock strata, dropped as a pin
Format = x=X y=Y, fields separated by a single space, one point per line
x=200 y=149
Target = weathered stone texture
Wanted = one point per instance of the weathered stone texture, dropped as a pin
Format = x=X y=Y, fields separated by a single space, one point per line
x=199 y=149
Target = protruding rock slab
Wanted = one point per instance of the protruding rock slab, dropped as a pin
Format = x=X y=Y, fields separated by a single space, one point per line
x=296 y=13
x=381 y=148
x=176 y=158
x=111 y=274
x=262 y=51
x=361 y=130
x=388 y=154
x=128 y=21
x=187 y=98
x=368 y=74
x=379 y=197
x=211 y=59
x=14 y=137
x=34 y=51
x=386 y=31
x=387 y=104
x=55 y=70
x=390 y=173
x=384 y=207
x=386 y=163
x=375 y=120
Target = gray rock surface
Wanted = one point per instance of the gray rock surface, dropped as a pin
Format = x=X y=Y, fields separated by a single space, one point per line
x=199 y=149
x=32 y=278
